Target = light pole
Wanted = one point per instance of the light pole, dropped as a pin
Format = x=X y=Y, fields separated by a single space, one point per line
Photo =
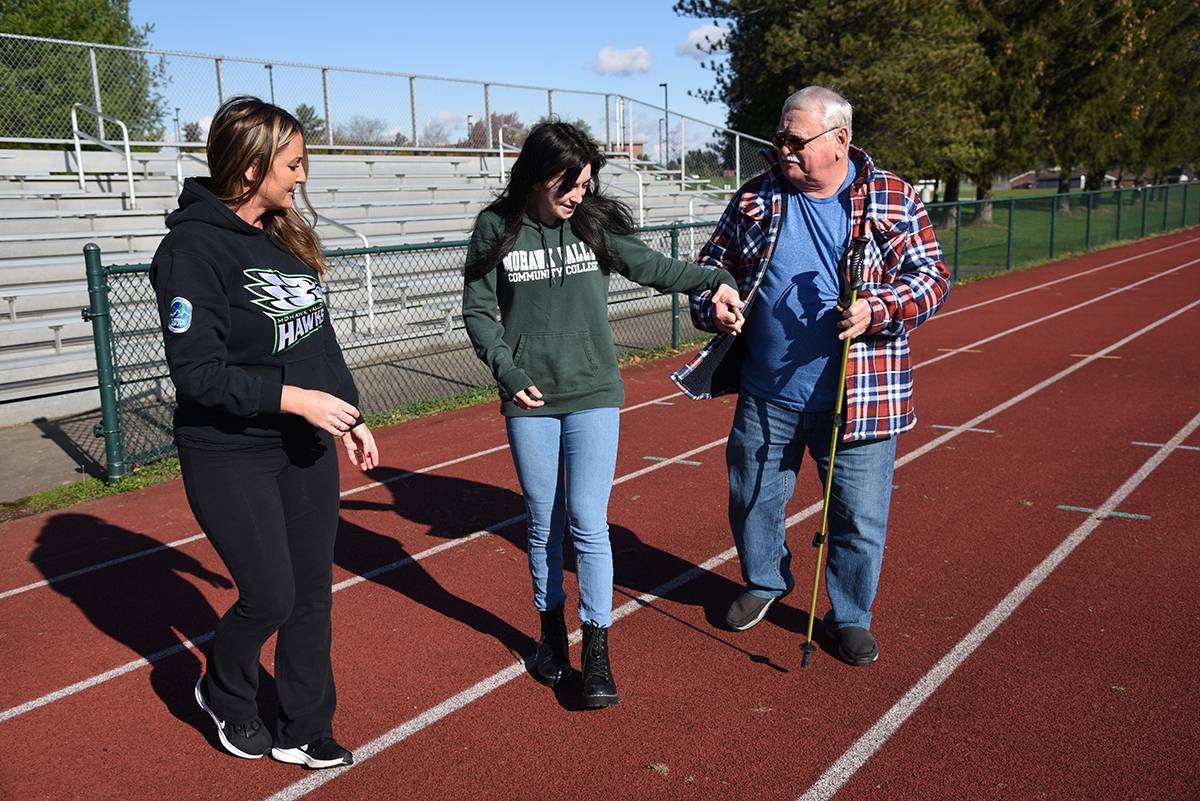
x=666 y=124
x=271 y=80
x=470 y=122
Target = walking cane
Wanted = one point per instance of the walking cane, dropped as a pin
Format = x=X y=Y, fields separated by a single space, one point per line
x=849 y=294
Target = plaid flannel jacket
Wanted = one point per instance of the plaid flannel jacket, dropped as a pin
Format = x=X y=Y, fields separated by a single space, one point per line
x=905 y=281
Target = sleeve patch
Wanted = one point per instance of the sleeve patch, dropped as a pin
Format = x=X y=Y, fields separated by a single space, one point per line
x=181 y=316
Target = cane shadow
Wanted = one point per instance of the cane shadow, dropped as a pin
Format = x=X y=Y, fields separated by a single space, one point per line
x=147 y=604
x=451 y=509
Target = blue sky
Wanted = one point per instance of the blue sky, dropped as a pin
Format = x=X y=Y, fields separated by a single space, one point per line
x=627 y=47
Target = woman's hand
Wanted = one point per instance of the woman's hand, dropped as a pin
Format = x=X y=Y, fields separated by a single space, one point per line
x=529 y=398
x=727 y=310
x=361 y=448
x=326 y=412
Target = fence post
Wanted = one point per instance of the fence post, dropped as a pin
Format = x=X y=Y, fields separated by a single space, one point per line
x=96 y=89
x=1120 y=205
x=328 y=116
x=1166 y=204
x=1145 y=200
x=675 y=295
x=1087 y=235
x=1053 y=223
x=1012 y=212
x=220 y=82
x=412 y=107
x=607 y=124
x=97 y=313
x=737 y=160
x=957 y=238
x=1183 y=216
x=487 y=114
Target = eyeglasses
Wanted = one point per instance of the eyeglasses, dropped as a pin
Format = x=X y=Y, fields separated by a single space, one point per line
x=795 y=143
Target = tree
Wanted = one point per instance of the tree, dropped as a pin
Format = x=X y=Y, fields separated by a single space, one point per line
x=514 y=131
x=578 y=122
x=908 y=68
x=313 y=126
x=192 y=132
x=705 y=163
x=361 y=130
x=39 y=81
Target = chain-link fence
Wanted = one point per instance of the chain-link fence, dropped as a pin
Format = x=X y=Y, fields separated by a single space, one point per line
x=398 y=317
x=983 y=236
x=397 y=314
x=169 y=97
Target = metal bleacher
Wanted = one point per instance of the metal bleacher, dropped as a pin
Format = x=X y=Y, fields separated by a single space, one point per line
x=46 y=353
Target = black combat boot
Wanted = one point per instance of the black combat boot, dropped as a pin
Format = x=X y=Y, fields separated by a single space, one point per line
x=599 y=689
x=551 y=663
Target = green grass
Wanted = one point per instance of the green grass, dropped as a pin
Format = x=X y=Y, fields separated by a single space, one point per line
x=89 y=489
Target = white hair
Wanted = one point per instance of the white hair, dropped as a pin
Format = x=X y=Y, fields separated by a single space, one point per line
x=836 y=111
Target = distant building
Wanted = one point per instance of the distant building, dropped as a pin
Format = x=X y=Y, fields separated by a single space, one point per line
x=1048 y=179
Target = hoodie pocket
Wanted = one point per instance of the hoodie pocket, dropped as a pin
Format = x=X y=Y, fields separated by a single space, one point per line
x=558 y=364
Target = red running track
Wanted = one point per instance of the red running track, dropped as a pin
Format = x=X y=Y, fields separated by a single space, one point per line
x=1027 y=650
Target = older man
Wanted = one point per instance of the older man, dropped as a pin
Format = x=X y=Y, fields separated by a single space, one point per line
x=783 y=236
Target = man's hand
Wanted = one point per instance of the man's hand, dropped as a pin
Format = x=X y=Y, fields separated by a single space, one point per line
x=855 y=319
x=727 y=310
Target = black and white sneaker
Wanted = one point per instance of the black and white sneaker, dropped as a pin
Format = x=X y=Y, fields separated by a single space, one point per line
x=249 y=740
x=324 y=752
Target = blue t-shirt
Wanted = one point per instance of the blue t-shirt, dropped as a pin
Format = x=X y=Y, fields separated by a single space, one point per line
x=792 y=347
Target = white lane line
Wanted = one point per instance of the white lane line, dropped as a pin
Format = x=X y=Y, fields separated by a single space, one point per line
x=1059 y=313
x=346 y=493
x=502 y=677
x=158 y=656
x=480 y=689
x=975 y=430
x=1160 y=445
x=915 y=454
x=1071 y=277
x=836 y=776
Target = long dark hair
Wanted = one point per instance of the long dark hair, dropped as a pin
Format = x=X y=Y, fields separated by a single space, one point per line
x=552 y=148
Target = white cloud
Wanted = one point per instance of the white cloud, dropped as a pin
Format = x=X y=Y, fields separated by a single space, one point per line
x=703 y=41
x=623 y=62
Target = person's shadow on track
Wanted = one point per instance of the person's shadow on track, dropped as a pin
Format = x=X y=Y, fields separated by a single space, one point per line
x=145 y=604
x=453 y=508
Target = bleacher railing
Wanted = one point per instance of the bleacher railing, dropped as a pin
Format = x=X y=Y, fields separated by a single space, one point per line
x=164 y=95
x=415 y=348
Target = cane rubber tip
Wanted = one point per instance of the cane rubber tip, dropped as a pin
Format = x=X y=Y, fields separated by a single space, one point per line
x=809 y=649
x=804 y=661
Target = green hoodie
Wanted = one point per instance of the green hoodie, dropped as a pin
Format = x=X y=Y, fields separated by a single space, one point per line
x=552 y=296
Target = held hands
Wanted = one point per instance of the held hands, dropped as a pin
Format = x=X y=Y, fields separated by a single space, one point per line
x=727 y=310
x=529 y=398
x=854 y=320
x=361 y=448
x=327 y=412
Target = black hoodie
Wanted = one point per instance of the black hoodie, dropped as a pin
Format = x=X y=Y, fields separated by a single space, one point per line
x=241 y=316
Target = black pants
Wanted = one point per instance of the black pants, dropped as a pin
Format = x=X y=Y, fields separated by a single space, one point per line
x=272 y=516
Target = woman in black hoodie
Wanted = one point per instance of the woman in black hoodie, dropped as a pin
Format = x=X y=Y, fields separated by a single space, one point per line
x=262 y=391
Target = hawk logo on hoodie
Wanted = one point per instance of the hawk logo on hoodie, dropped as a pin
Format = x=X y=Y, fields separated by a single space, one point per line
x=295 y=304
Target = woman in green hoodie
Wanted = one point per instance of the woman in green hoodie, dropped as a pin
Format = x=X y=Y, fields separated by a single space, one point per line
x=541 y=255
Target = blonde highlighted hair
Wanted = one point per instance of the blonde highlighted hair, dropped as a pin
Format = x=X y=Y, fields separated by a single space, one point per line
x=248 y=133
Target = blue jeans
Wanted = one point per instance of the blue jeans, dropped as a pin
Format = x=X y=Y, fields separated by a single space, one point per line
x=764 y=453
x=565 y=463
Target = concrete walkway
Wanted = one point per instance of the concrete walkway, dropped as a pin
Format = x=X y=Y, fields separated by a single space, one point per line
x=45 y=454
